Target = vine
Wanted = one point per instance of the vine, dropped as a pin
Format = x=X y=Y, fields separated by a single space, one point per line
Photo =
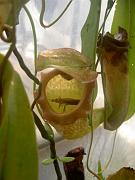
x=8 y=35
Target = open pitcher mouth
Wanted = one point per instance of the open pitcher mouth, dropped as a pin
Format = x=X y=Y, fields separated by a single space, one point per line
x=66 y=102
x=63 y=95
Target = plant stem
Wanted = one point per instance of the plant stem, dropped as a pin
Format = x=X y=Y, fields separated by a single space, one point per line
x=37 y=122
x=89 y=151
x=24 y=67
x=55 y=162
x=29 y=74
x=46 y=136
x=109 y=10
x=108 y=162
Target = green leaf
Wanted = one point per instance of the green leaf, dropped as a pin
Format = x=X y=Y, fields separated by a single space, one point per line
x=90 y=31
x=121 y=16
x=18 y=149
x=66 y=159
x=131 y=59
x=123 y=174
x=125 y=17
x=89 y=35
x=47 y=161
x=100 y=171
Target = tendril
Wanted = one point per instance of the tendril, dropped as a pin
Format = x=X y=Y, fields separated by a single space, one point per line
x=35 y=53
x=107 y=12
x=110 y=158
x=43 y=12
x=6 y=29
x=89 y=151
x=37 y=97
x=34 y=35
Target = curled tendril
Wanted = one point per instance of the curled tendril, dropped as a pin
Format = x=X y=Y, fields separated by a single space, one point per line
x=6 y=33
x=43 y=12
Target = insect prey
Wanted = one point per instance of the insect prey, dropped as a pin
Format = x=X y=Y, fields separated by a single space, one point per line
x=65 y=102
